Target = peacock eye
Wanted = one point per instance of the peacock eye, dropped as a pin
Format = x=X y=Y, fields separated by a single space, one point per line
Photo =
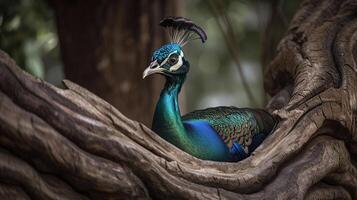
x=173 y=59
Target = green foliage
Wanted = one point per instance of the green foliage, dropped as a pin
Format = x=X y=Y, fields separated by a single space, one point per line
x=214 y=79
x=27 y=33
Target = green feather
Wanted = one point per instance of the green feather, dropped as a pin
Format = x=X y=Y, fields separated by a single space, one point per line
x=234 y=124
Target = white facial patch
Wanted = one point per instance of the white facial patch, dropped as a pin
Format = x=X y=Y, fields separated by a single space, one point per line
x=154 y=64
x=167 y=58
x=177 y=65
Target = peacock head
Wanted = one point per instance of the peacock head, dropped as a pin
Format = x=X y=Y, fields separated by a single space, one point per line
x=169 y=59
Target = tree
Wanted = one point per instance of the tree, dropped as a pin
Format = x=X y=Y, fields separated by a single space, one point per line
x=106 y=45
x=70 y=144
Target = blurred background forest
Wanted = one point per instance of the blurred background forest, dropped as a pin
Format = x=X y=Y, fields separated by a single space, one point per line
x=105 y=45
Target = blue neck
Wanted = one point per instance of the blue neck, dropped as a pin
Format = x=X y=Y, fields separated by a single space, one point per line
x=167 y=118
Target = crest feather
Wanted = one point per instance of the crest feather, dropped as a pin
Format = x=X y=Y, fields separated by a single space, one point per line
x=183 y=30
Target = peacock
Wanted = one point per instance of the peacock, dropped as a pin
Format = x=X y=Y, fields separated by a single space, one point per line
x=227 y=134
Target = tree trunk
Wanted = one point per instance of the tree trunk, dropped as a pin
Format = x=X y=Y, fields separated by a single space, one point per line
x=70 y=144
x=106 y=45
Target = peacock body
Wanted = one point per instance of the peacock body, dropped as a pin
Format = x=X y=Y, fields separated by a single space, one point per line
x=219 y=133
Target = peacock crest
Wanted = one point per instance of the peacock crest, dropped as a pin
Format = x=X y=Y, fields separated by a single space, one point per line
x=182 y=30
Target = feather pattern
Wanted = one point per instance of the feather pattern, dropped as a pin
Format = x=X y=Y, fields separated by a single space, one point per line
x=236 y=126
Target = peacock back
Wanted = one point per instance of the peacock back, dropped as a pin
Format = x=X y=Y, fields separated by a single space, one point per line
x=241 y=129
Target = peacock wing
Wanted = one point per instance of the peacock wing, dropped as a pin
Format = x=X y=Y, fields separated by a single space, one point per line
x=234 y=125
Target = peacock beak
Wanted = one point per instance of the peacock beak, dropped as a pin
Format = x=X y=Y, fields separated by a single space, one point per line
x=153 y=68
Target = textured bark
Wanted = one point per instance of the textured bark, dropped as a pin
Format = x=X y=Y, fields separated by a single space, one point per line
x=70 y=144
x=107 y=44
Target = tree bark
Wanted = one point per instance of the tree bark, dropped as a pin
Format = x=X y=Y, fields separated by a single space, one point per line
x=106 y=45
x=70 y=144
